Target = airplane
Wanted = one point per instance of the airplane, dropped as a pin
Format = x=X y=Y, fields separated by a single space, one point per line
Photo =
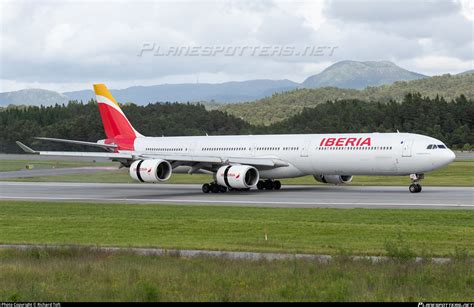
x=242 y=162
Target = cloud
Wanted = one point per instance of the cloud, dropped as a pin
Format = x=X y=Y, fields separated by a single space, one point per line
x=389 y=10
x=66 y=44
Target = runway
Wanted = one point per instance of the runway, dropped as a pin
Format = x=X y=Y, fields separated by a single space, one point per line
x=55 y=171
x=288 y=197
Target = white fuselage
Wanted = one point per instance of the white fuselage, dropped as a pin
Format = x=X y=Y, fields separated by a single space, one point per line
x=314 y=154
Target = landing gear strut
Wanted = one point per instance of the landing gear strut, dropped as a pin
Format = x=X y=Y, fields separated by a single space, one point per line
x=415 y=187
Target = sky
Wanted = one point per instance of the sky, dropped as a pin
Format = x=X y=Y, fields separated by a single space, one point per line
x=68 y=45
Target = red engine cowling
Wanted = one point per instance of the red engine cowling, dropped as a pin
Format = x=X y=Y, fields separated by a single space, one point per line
x=150 y=170
x=237 y=176
x=334 y=179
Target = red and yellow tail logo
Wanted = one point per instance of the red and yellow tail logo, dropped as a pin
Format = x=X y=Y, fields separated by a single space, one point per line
x=115 y=122
x=116 y=125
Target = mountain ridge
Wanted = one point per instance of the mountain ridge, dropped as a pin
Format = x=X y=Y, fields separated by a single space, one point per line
x=343 y=75
x=359 y=75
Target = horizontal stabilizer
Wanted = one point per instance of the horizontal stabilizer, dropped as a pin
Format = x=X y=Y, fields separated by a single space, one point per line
x=26 y=148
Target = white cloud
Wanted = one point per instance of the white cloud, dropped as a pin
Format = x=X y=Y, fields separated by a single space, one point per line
x=438 y=65
x=65 y=45
x=389 y=10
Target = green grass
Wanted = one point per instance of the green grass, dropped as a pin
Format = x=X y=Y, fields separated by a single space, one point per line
x=87 y=275
x=318 y=231
x=458 y=173
x=16 y=165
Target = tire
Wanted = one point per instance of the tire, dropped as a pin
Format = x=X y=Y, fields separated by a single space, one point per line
x=276 y=185
x=414 y=188
x=222 y=189
x=418 y=188
x=260 y=185
x=215 y=188
x=268 y=185
x=206 y=188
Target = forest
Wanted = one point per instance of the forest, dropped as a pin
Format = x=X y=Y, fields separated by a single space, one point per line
x=281 y=106
x=450 y=121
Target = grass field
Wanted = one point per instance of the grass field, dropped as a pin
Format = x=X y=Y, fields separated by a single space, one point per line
x=87 y=275
x=458 y=173
x=318 y=231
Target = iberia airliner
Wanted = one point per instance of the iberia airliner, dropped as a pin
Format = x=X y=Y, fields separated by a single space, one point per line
x=241 y=162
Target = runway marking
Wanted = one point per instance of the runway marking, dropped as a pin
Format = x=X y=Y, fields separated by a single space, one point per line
x=230 y=201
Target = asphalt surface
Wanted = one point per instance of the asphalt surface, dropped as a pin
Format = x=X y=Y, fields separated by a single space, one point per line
x=207 y=253
x=288 y=197
x=55 y=171
x=30 y=157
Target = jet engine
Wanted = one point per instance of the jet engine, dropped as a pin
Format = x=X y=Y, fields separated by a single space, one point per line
x=152 y=170
x=334 y=179
x=237 y=176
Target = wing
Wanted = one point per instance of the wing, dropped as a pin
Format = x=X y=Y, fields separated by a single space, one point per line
x=190 y=159
x=110 y=155
x=175 y=159
x=104 y=146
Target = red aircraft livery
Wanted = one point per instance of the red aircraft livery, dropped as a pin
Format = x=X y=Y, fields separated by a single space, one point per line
x=345 y=142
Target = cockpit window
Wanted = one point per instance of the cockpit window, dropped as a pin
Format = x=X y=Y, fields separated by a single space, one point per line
x=434 y=146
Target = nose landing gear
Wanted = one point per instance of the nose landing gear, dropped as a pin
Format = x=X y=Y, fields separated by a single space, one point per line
x=415 y=187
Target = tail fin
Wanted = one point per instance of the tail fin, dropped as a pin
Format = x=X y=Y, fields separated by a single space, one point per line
x=114 y=121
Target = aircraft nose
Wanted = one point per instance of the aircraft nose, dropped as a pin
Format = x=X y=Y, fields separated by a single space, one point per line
x=451 y=156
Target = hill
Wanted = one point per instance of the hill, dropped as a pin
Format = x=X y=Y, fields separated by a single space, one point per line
x=359 y=75
x=222 y=92
x=278 y=107
x=32 y=97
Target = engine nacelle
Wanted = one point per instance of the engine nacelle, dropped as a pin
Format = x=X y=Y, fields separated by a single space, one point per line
x=334 y=179
x=237 y=176
x=150 y=170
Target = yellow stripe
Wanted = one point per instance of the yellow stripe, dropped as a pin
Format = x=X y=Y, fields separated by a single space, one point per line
x=101 y=90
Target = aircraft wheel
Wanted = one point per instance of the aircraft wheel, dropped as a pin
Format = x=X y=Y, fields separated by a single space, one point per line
x=215 y=188
x=206 y=188
x=268 y=185
x=415 y=188
x=260 y=185
x=222 y=189
x=276 y=185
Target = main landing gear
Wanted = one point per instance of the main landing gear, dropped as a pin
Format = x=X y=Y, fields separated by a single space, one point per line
x=213 y=188
x=415 y=187
x=269 y=185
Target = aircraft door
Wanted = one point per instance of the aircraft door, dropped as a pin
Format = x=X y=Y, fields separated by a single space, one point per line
x=305 y=148
x=407 y=148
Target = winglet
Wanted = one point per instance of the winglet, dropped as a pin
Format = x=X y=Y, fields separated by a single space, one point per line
x=26 y=148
